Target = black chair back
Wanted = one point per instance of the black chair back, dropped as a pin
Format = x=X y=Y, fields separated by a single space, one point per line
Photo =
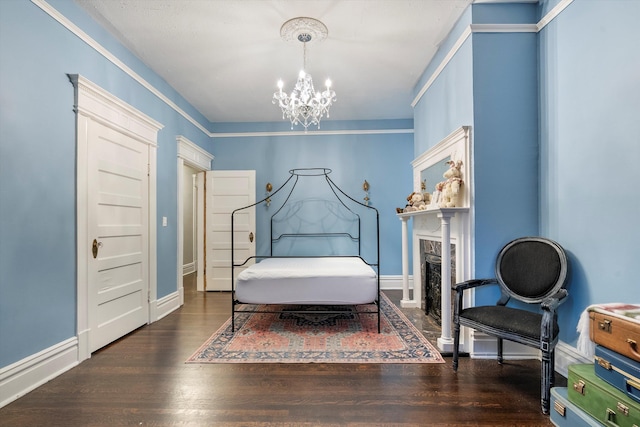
x=531 y=269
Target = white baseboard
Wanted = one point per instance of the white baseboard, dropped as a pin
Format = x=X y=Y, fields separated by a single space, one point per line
x=484 y=347
x=27 y=374
x=167 y=304
x=21 y=377
x=189 y=268
x=567 y=355
x=391 y=282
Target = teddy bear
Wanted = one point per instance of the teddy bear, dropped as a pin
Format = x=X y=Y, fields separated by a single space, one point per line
x=451 y=187
x=415 y=202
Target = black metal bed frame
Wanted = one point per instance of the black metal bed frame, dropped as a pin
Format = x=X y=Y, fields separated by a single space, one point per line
x=343 y=198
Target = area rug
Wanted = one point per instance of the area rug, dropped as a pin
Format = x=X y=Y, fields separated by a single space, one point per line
x=309 y=337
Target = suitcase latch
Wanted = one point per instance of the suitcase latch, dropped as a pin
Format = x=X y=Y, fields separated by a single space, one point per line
x=579 y=387
x=559 y=408
x=605 y=325
x=623 y=408
x=604 y=363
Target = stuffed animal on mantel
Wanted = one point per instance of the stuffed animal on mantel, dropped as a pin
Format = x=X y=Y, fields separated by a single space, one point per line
x=451 y=187
x=415 y=202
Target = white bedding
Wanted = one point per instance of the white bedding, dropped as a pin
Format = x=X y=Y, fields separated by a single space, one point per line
x=322 y=281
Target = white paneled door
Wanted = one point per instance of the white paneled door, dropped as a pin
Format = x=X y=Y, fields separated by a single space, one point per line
x=225 y=192
x=118 y=221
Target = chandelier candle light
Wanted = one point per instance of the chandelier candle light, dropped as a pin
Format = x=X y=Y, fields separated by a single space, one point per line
x=304 y=106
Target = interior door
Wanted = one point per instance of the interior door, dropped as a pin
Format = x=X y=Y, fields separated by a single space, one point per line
x=225 y=192
x=118 y=221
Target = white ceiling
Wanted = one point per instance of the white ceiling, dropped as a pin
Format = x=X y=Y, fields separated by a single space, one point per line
x=225 y=56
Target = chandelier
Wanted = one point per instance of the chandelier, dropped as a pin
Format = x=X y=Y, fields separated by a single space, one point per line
x=304 y=106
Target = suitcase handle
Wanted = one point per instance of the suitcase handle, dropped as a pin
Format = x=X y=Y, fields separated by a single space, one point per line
x=611 y=414
x=633 y=347
x=631 y=384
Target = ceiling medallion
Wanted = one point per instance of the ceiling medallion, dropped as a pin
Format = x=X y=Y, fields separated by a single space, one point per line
x=304 y=106
x=293 y=28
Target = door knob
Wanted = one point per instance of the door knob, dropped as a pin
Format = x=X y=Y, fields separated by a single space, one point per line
x=94 y=248
x=251 y=237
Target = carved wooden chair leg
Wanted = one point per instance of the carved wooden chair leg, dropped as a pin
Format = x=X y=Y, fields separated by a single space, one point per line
x=456 y=344
x=547 y=379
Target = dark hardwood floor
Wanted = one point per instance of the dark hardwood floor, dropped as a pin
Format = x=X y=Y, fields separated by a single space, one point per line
x=142 y=380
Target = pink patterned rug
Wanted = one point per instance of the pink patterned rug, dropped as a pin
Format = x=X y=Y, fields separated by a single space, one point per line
x=318 y=338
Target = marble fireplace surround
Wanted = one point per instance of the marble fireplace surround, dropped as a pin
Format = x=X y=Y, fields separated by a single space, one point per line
x=449 y=226
x=430 y=279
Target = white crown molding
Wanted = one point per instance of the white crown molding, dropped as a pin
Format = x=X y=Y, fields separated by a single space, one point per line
x=51 y=11
x=553 y=13
x=454 y=49
x=47 y=8
x=312 y=133
x=504 y=28
x=503 y=1
x=489 y=28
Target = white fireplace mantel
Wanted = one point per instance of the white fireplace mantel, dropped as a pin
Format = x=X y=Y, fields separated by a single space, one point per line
x=426 y=225
x=450 y=226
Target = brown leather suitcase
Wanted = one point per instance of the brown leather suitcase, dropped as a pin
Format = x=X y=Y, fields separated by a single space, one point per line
x=617 y=330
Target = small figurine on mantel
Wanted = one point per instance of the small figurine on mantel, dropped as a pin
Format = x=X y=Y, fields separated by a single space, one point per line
x=450 y=189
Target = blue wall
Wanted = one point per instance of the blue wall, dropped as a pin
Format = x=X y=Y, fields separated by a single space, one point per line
x=448 y=103
x=505 y=143
x=382 y=159
x=491 y=84
x=575 y=181
x=37 y=166
x=590 y=149
x=555 y=147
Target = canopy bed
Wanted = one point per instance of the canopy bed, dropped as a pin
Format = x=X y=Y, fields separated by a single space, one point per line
x=316 y=256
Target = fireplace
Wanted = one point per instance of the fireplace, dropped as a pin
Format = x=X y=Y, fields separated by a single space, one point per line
x=440 y=239
x=431 y=279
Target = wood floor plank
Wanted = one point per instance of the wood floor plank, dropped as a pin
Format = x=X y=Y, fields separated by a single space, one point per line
x=142 y=380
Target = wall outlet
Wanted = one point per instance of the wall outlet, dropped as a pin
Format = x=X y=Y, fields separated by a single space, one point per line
x=164 y=221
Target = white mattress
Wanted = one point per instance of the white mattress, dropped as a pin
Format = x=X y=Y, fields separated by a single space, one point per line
x=322 y=281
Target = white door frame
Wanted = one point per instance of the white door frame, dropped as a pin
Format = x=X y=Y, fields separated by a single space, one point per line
x=199 y=159
x=93 y=103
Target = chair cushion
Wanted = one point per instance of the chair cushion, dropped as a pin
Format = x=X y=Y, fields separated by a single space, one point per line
x=512 y=320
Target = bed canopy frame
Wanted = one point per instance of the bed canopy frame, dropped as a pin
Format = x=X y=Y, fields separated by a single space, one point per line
x=347 y=227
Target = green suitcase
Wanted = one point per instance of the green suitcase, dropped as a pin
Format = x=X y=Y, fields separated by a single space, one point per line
x=599 y=399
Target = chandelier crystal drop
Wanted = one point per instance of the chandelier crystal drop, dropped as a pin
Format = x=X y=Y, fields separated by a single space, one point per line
x=304 y=106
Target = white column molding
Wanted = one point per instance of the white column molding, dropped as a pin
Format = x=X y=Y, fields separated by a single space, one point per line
x=445 y=342
x=406 y=301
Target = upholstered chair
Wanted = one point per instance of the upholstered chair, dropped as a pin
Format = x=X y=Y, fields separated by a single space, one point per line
x=532 y=270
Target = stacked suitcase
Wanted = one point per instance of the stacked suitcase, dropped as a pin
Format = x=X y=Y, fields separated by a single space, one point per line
x=606 y=392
